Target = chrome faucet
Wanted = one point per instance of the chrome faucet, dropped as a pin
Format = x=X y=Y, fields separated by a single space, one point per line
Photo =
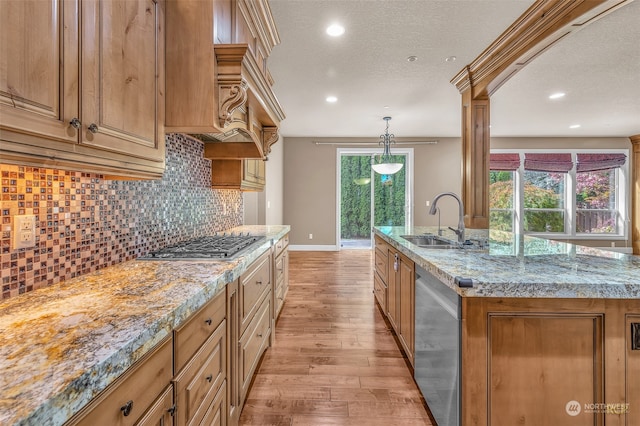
x=460 y=231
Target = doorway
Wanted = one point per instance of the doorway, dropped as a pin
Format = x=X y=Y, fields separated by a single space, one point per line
x=366 y=199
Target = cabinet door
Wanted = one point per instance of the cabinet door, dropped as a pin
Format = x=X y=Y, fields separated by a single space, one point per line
x=234 y=406
x=393 y=290
x=161 y=413
x=38 y=77
x=407 y=306
x=122 y=77
x=254 y=171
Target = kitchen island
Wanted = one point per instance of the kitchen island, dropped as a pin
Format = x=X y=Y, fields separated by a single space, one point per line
x=62 y=345
x=548 y=331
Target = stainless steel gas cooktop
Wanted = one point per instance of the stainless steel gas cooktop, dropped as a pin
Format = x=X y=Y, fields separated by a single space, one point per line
x=212 y=247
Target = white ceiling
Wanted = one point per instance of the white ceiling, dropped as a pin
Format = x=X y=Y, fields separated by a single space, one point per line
x=367 y=69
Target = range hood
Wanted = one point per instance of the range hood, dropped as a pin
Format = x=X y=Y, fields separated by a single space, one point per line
x=248 y=111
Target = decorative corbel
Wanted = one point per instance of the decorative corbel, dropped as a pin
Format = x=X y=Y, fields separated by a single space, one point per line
x=269 y=137
x=231 y=96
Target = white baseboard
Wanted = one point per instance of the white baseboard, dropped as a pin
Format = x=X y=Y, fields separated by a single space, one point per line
x=312 y=248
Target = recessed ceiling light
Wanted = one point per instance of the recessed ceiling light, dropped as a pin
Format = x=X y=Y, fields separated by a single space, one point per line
x=335 y=30
x=574 y=126
x=450 y=59
x=557 y=95
x=331 y=99
x=412 y=58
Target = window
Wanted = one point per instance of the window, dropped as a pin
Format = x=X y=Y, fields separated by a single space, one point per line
x=569 y=194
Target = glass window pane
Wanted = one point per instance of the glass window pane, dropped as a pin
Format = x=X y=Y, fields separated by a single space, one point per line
x=501 y=200
x=389 y=196
x=544 y=190
x=355 y=188
x=501 y=220
x=596 y=202
x=543 y=221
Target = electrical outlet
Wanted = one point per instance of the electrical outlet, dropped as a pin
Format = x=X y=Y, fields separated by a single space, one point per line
x=311 y=236
x=24 y=231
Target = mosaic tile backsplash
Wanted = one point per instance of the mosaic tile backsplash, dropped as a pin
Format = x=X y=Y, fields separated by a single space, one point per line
x=85 y=222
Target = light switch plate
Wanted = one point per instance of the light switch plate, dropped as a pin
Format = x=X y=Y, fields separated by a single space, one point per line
x=23 y=232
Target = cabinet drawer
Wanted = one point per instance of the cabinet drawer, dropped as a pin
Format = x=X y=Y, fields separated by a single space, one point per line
x=279 y=299
x=136 y=389
x=191 y=335
x=253 y=285
x=216 y=415
x=279 y=269
x=253 y=343
x=200 y=380
x=380 y=291
x=282 y=244
x=381 y=261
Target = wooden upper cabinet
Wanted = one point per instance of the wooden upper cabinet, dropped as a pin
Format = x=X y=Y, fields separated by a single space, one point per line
x=38 y=77
x=122 y=77
x=108 y=118
x=218 y=86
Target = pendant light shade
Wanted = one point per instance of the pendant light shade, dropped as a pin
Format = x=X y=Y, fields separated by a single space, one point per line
x=384 y=164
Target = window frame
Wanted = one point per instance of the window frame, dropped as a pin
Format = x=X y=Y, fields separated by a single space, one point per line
x=623 y=196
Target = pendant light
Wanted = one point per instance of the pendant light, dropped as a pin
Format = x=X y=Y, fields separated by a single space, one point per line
x=384 y=164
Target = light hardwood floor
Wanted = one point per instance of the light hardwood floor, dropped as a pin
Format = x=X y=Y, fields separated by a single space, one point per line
x=334 y=361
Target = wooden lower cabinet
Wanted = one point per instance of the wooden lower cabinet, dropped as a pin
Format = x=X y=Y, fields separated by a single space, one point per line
x=249 y=328
x=127 y=400
x=214 y=355
x=201 y=379
x=407 y=307
x=280 y=275
x=632 y=369
x=401 y=300
x=216 y=415
x=549 y=362
x=161 y=412
x=545 y=361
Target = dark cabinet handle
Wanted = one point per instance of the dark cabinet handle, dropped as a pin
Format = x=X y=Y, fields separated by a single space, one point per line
x=172 y=410
x=259 y=282
x=75 y=123
x=208 y=321
x=126 y=408
x=93 y=128
x=209 y=378
x=259 y=334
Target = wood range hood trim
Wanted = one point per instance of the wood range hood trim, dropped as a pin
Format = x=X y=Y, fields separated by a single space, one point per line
x=248 y=111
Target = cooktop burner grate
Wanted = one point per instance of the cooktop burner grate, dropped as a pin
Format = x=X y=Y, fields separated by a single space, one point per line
x=214 y=247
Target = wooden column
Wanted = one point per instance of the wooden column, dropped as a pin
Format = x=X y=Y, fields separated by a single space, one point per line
x=475 y=159
x=635 y=194
x=545 y=23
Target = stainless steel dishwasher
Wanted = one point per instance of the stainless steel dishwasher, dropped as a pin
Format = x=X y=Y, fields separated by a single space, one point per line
x=437 y=341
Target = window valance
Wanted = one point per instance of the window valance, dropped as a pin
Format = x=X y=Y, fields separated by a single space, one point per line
x=559 y=162
x=504 y=162
x=596 y=162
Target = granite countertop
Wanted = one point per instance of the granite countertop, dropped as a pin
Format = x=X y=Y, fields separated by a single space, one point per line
x=523 y=266
x=62 y=345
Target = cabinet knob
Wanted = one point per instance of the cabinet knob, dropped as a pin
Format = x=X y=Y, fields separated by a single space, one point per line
x=126 y=408
x=209 y=378
x=93 y=128
x=259 y=282
x=208 y=321
x=172 y=410
x=75 y=123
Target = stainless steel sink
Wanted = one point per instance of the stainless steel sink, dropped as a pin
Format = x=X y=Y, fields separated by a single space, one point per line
x=430 y=241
